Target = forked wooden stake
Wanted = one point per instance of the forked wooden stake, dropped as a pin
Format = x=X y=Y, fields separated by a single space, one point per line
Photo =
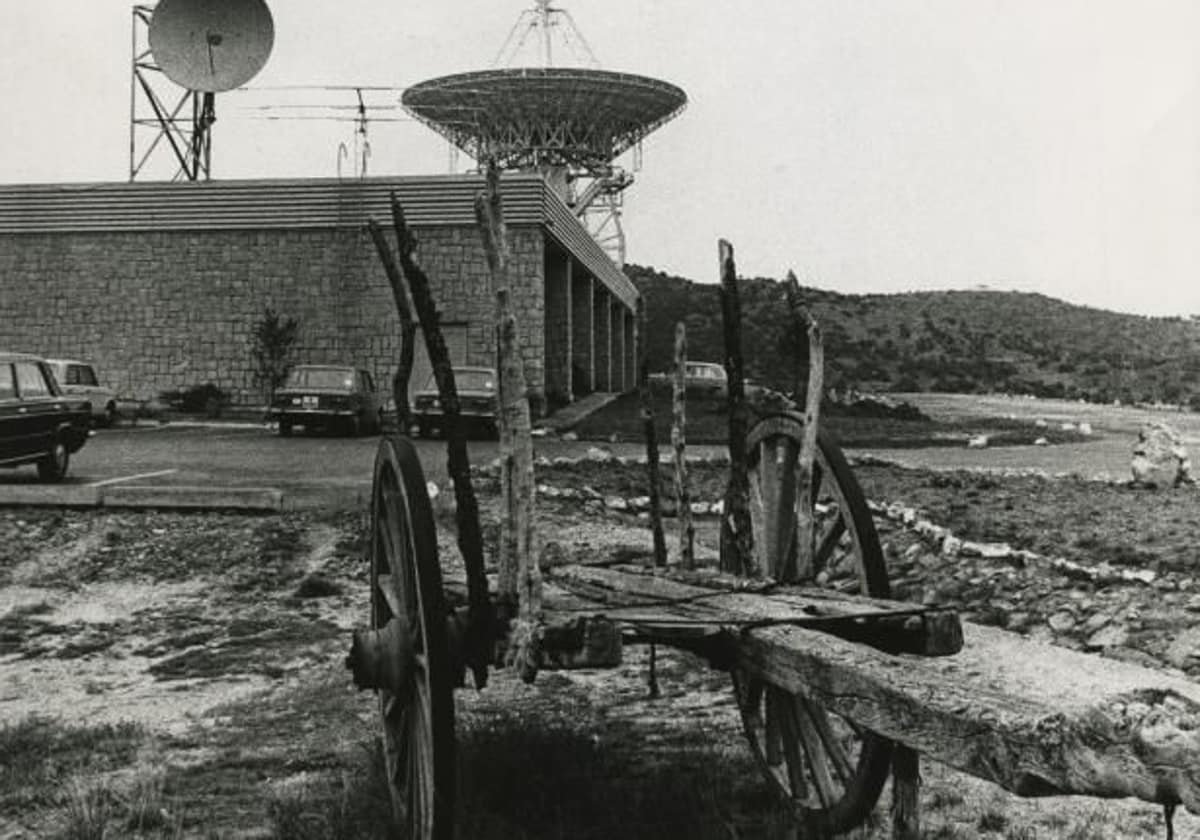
x=651 y=435
x=408 y=327
x=478 y=642
x=808 y=451
x=683 y=501
x=520 y=579
x=737 y=538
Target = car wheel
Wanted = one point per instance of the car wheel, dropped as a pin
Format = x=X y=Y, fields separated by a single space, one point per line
x=110 y=415
x=285 y=428
x=53 y=467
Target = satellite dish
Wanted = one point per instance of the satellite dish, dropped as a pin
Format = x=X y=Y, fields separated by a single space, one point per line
x=211 y=45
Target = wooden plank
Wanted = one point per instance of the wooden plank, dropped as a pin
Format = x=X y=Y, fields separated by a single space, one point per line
x=1036 y=719
x=660 y=608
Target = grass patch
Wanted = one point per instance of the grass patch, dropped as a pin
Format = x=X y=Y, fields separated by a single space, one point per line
x=37 y=752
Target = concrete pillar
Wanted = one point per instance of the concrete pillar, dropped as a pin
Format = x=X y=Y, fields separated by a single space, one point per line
x=631 y=345
x=618 y=347
x=602 y=311
x=583 y=355
x=557 y=325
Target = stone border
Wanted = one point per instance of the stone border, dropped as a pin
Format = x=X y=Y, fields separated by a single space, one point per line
x=936 y=536
x=158 y=497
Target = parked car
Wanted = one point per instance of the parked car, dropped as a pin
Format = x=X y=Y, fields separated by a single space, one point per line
x=705 y=378
x=39 y=424
x=476 y=387
x=328 y=396
x=78 y=379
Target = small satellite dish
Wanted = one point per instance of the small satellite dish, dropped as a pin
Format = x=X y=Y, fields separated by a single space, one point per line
x=211 y=45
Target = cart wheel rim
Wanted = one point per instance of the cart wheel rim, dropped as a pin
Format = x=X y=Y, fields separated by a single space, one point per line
x=827 y=768
x=418 y=723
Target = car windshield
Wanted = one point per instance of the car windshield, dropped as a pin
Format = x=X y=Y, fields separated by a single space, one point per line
x=321 y=378
x=468 y=380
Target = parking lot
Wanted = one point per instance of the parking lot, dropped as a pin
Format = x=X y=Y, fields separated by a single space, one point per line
x=309 y=470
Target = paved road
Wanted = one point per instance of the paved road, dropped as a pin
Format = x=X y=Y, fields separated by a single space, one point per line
x=311 y=470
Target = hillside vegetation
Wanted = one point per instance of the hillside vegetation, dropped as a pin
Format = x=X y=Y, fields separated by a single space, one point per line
x=958 y=341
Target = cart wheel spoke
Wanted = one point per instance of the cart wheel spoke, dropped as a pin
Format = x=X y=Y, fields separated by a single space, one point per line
x=828 y=767
x=418 y=723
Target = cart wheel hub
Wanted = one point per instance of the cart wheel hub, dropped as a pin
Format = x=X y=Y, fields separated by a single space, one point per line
x=384 y=658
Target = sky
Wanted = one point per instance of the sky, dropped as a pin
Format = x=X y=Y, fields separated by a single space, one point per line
x=867 y=145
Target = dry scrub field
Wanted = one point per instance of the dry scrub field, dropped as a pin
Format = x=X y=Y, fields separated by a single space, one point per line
x=170 y=675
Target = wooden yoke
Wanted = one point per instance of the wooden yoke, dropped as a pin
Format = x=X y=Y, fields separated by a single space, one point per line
x=520 y=577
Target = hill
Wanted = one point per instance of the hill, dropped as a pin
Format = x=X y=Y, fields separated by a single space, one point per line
x=954 y=341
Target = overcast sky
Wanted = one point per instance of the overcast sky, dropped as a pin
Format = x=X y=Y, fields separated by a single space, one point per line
x=890 y=145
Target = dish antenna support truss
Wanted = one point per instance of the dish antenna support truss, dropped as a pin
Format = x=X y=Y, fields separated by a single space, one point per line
x=569 y=123
x=183 y=53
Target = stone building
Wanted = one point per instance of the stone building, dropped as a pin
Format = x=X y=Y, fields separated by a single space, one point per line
x=161 y=284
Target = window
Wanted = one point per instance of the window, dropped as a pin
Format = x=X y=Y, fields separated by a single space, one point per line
x=320 y=378
x=81 y=375
x=31 y=381
x=8 y=387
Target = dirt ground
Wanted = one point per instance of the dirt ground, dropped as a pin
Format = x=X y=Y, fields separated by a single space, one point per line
x=181 y=675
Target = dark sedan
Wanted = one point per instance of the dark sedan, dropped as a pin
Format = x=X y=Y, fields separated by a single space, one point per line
x=38 y=423
x=328 y=396
x=476 y=387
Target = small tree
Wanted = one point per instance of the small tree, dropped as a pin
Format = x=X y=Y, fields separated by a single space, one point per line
x=272 y=339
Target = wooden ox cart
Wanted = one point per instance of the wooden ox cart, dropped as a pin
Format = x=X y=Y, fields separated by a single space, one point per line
x=837 y=686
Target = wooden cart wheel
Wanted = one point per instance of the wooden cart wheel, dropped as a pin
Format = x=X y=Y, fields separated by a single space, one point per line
x=830 y=769
x=406 y=583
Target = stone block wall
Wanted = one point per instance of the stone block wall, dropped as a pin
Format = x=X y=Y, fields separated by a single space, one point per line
x=157 y=311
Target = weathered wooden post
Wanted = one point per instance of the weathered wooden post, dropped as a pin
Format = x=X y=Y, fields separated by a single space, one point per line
x=479 y=633
x=683 y=501
x=408 y=327
x=737 y=538
x=808 y=334
x=520 y=579
x=651 y=435
x=906 y=790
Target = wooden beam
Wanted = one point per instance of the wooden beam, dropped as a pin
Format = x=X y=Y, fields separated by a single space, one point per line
x=1037 y=719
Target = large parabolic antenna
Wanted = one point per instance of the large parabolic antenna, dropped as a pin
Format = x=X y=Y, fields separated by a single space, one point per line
x=202 y=47
x=211 y=45
x=569 y=123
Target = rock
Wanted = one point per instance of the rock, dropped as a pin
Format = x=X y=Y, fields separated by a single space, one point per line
x=599 y=453
x=1085 y=428
x=951 y=545
x=570 y=436
x=1159 y=457
x=553 y=554
x=1114 y=635
x=432 y=489
x=539 y=432
x=1017 y=622
x=542 y=461
x=977 y=442
x=1185 y=649
x=1041 y=442
x=1040 y=423
x=1067 y=427
x=1061 y=622
x=315 y=585
x=563 y=461
x=616 y=503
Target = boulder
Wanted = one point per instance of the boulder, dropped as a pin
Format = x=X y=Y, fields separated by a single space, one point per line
x=1184 y=650
x=977 y=442
x=1159 y=457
